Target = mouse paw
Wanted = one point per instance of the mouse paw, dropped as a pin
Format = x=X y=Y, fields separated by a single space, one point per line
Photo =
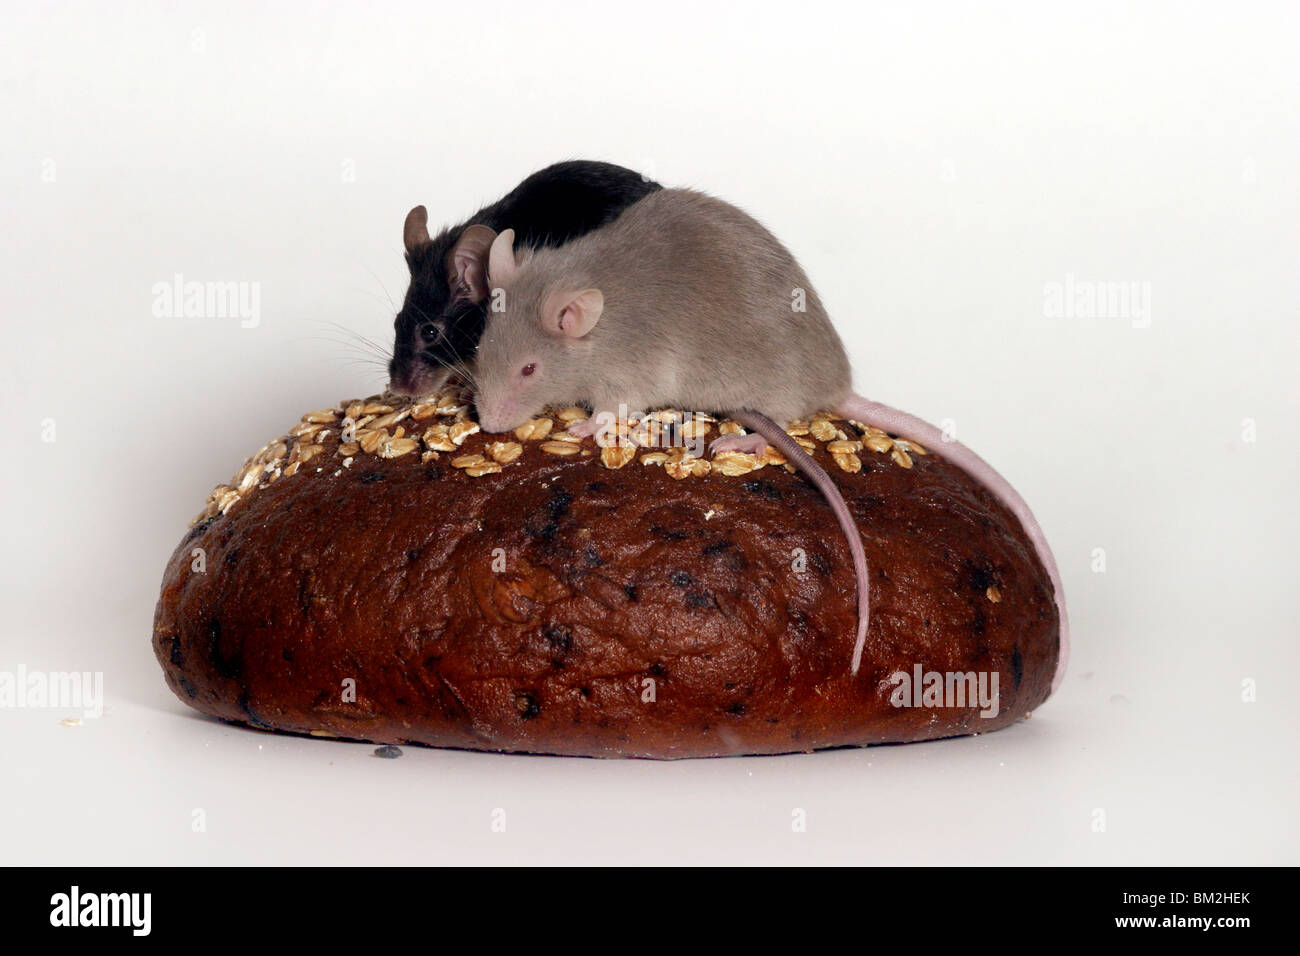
x=585 y=428
x=748 y=444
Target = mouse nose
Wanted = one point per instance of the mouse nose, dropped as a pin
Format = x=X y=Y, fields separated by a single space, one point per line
x=408 y=382
x=490 y=419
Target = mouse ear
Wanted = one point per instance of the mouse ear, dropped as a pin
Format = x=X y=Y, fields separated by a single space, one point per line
x=501 y=257
x=415 y=232
x=467 y=262
x=572 y=314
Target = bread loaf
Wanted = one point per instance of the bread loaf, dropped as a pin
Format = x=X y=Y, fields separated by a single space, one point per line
x=387 y=572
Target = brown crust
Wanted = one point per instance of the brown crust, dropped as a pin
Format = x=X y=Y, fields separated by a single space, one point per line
x=610 y=586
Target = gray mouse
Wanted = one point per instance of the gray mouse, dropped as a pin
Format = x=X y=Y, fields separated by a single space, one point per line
x=685 y=301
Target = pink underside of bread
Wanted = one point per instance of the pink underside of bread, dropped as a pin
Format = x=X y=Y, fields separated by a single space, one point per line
x=904 y=425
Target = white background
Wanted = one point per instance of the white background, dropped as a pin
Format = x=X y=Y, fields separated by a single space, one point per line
x=933 y=168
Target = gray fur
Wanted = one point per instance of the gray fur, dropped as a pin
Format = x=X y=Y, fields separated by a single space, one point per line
x=698 y=315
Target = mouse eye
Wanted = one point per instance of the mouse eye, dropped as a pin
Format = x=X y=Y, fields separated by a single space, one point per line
x=528 y=369
x=429 y=332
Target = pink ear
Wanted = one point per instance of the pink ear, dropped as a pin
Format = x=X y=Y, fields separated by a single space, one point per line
x=572 y=314
x=415 y=231
x=501 y=257
x=467 y=262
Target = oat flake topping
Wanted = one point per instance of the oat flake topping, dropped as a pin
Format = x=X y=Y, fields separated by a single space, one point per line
x=424 y=427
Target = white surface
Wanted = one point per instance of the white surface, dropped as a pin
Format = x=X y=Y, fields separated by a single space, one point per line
x=933 y=170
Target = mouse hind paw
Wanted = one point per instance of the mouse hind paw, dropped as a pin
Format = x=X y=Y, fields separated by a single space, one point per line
x=751 y=444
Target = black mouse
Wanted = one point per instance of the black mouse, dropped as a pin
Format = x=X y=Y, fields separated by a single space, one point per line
x=443 y=315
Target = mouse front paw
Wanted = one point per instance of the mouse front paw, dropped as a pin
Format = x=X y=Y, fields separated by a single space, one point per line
x=585 y=428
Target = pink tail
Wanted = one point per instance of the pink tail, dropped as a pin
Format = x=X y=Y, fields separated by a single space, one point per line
x=909 y=426
x=776 y=436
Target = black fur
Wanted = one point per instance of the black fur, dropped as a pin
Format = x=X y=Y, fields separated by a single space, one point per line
x=549 y=208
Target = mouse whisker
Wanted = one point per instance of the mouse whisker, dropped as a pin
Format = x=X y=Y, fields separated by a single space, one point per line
x=350 y=347
x=358 y=338
x=382 y=287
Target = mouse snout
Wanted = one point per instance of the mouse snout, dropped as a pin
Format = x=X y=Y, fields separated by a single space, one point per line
x=403 y=382
x=491 y=421
x=497 y=416
x=415 y=379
